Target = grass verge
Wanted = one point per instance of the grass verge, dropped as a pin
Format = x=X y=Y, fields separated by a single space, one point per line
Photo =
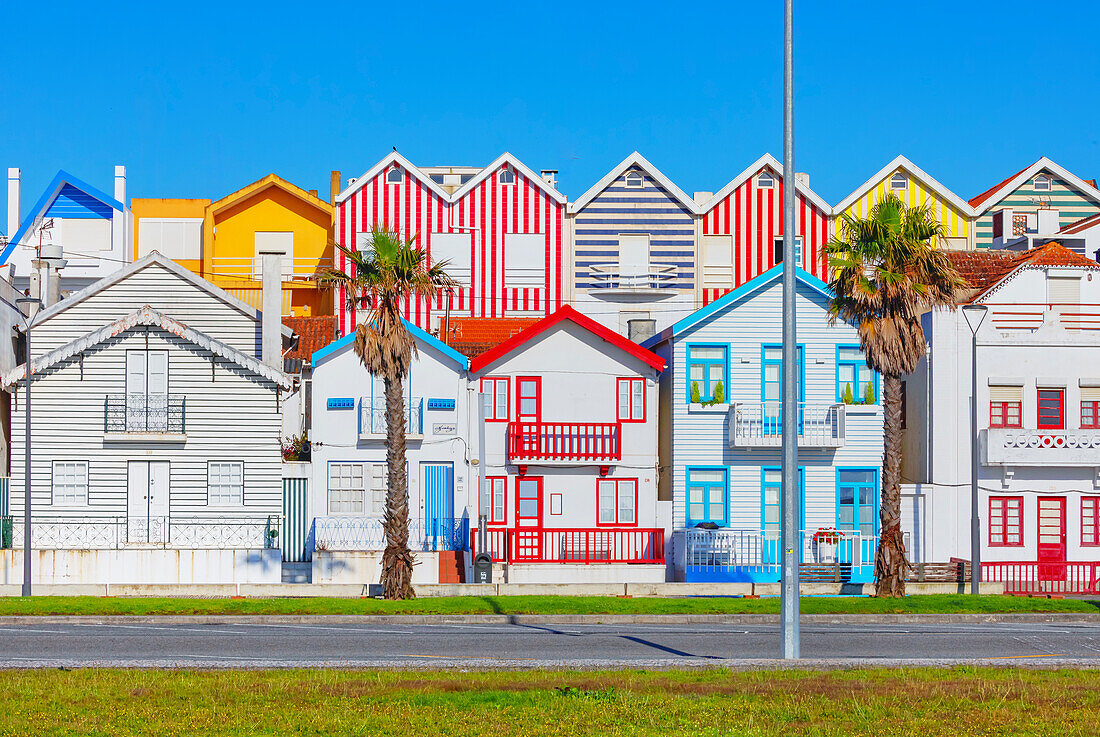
x=928 y=604
x=927 y=702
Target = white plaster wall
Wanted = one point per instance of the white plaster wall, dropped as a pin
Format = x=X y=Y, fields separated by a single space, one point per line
x=665 y=308
x=139 y=566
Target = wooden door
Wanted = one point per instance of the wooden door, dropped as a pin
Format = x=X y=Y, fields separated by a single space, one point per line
x=147 y=495
x=529 y=518
x=529 y=398
x=1052 y=538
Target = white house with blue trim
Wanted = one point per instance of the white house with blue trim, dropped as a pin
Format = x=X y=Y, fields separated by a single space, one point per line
x=83 y=225
x=721 y=435
x=347 y=495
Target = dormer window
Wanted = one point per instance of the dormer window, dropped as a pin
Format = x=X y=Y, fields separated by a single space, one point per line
x=765 y=180
x=1042 y=183
x=634 y=180
x=899 y=181
x=394 y=176
x=507 y=177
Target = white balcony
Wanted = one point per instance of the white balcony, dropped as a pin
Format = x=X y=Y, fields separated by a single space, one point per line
x=613 y=278
x=372 y=418
x=1023 y=447
x=760 y=425
x=247 y=268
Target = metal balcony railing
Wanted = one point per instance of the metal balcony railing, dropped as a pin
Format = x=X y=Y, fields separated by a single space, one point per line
x=372 y=416
x=585 y=442
x=640 y=545
x=367 y=533
x=760 y=424
x=613 y=276
x=144 y=413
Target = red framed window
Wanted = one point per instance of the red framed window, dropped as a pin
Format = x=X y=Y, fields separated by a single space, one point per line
x=630 y=394
x=493 y=500
x=497 y=408
x=1004 y=414
x=1090 y=414
x=617 y=502
x=1052 y=409
x=1090 y=520
x=529 y=399
x=1006 y=522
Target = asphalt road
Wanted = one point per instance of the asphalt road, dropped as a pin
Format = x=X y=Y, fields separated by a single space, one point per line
x=253 y=645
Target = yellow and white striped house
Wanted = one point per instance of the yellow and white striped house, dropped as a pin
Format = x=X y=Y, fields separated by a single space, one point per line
x=915 y=187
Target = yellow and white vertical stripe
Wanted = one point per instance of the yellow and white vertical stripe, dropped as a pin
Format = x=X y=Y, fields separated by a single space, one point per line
x=956 y=224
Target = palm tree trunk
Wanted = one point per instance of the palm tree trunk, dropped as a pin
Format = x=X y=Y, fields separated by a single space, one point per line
x=397 y=560
x=891 y=565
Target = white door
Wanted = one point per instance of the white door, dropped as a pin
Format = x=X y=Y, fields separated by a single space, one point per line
x=146 y=391
x=147 y=492
x=633 y=260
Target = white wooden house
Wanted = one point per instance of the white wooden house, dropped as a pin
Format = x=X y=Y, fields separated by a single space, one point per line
x=1038 y=411
x=343 y=532
x=721 y=436
x=155 y=423
x=569 y=490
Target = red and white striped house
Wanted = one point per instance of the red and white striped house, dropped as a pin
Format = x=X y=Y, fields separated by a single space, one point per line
x=500 y=228
x=743 y=228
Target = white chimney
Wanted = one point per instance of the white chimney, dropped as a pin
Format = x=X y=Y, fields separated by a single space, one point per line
x=13 y=202
x=120 y=184
x=802 y=178
x=701 y=197
x=271 y=335
x=550 y=176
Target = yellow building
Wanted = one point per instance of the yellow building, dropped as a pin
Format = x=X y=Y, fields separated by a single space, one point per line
x=220 y=240
x=907 y=180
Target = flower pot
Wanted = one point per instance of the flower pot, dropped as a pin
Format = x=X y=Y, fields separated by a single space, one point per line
x=826 y=552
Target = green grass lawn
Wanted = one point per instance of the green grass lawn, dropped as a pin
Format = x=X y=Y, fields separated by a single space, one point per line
x=925 y=702
x=936 y=603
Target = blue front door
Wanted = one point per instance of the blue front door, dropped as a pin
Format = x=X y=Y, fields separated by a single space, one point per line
x=771 y=539
x=437 y=506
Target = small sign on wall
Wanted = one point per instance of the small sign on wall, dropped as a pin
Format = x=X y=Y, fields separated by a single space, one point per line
x=444 y=428
x=341 y=403
x=555 y=505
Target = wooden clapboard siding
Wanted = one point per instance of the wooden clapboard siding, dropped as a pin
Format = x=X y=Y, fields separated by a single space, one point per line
x=1072 y=205
x=955 y=221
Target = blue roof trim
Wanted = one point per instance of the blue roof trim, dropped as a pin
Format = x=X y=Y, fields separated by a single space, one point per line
x=726 y=300
x=52 y=191
x=421 y=335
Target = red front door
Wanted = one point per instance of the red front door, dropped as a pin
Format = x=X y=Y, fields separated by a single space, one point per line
x=529 y=518
x=1052 y=538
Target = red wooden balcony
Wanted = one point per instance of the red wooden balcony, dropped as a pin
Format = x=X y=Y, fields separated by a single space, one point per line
x=574 y=442
x=640 y=545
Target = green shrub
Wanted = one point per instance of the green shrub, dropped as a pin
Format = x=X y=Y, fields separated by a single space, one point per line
x=847 y=396
x=719 y=394
x=869 y=395
x=695 y=392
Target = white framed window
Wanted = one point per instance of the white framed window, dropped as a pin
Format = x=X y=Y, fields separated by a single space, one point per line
x=493 y=493
x=356 y=488
x=176 y=238
x=1042 y=183
x=899 y=181
x=634 y=180
x=224 y=483
x=797 y=249
x=524 y=260
x=70 y=484
x=454 y=248
x=496 y=410
x=765 y=180
x=394 y=176
x=617 y=501
x=507 y=176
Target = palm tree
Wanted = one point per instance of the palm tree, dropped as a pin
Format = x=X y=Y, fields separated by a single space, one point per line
x=379 y=278
x=886 y=273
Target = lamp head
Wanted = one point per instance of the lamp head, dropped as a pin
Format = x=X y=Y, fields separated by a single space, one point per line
x=974 y=315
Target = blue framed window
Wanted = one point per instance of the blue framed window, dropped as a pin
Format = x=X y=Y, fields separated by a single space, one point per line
x=708 y=495
x=852 y=370
x=708 y=365
x=771 y=373
x=857 y=500
x=771 y=492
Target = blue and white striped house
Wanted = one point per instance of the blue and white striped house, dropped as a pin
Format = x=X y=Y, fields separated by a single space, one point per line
x=634 y=249
x=721 y=432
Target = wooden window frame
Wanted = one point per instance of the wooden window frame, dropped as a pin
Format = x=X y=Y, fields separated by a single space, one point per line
x=53 y=483
x=1000 y=418
x=630 y=393
x=1090 y=509
x=1004 y=502
x=1035 y=183
x=492 y=380
x=500 y=177
x=905 y=184
x=490 y=517
x=538 y=382
x=725 y=491
x=618 y=493
x=630 y=175
x=1061 y=392
x=209 y=468
x=1094 y=408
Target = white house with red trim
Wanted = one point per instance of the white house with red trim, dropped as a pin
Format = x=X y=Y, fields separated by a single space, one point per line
x=1038 y=434
x=499 y=227
x=569 y=461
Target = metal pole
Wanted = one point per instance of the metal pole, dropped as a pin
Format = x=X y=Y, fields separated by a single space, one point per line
x=27 y=471
x=789 y=600
x=975 y=522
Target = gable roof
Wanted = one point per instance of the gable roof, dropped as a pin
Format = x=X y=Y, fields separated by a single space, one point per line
x=51 y=193
x=567 y=313
x=507 y=158
x=147 y=316
x=635 y=160
x=769 y=161
x=388 y=160
x=772 y=274
x=460 y=360
x=985 y=270
x=268 y=182
x=901 y=162
x=998 y=192
x=153 y=258
x=472 y=336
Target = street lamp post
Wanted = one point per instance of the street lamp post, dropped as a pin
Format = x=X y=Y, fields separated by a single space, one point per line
x=975 y=315
x=32 y=304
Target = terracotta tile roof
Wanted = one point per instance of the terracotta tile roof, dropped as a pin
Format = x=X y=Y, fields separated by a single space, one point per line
x=975 y=201
x=314 y=333
x=472 y=336
x=983 y=269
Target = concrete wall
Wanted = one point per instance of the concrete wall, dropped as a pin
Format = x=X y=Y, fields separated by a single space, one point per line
x=144 y=566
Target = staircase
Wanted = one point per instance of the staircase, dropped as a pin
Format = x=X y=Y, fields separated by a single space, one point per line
x=452 y=566
x=297 y=572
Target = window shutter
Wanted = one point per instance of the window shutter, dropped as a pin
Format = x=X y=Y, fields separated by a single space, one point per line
x=1090 y=394
x=1005 y=393
x=377 y=494
x=1063 y=290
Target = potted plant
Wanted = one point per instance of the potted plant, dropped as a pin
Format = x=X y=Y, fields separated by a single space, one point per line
x=825 y=541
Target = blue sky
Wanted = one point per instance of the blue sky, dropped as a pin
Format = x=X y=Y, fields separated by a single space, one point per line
x=200 y=102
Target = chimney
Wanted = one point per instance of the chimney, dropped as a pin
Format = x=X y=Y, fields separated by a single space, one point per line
x=313 y=192
x=550 y=176
x=802 y=178
x=13 y=202
x=120 y=184
x=46 y=277
x=271 y=340
x=702 y=197
x=333 y=186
